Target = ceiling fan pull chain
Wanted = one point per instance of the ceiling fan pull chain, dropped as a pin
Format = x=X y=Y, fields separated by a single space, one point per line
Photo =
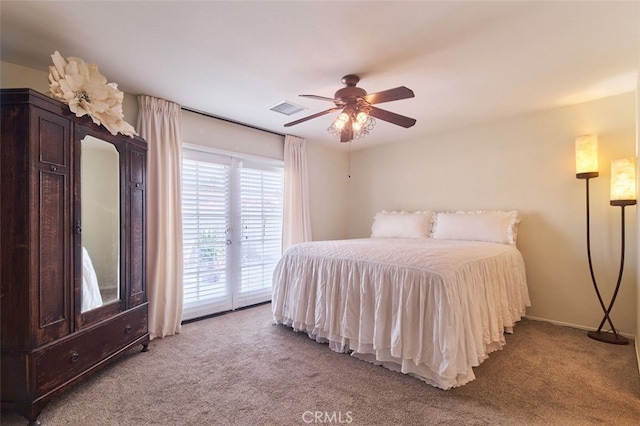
x=349 y=170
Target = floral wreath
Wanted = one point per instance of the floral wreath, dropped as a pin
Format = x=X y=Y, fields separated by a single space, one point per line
x=86 y=91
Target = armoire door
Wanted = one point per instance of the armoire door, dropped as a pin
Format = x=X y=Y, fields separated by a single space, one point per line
x=50 y=225
x=136 y=209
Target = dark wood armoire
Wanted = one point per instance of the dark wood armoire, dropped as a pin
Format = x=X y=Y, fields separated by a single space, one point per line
x=72 y=222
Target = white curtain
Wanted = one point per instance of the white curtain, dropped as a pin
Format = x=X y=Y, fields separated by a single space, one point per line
x=297 y=223
x=160 y=123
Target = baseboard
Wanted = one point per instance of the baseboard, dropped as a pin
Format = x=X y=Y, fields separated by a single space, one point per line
x=581 y=327
x=638 y=355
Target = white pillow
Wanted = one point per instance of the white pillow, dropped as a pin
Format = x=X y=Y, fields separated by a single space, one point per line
x=492 y=226
x=402 y=224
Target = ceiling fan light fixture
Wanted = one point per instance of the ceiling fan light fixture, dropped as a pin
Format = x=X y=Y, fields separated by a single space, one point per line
x=361 y=124
x=356 y=119
x=338 y=124
x=361 y=120
x=341 y=121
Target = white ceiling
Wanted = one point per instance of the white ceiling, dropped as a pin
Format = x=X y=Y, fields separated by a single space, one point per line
x=467 y=62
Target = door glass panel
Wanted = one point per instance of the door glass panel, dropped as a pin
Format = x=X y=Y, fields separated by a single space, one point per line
x=100 y=195
x=232 y=231
x=205 y=228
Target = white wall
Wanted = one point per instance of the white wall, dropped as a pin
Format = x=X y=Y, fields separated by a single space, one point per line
x=14 y=76
x=219 y=134
x=328 y=191
x=525 y=163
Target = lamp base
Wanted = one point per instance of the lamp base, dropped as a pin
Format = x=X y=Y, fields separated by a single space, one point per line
x=612 y=338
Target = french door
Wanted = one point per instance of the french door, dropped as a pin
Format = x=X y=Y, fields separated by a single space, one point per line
x=232 y=230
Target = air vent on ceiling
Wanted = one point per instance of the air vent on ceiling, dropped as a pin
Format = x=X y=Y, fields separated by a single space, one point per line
x=287 y=108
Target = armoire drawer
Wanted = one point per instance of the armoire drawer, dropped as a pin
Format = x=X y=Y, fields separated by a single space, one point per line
x=71 y=357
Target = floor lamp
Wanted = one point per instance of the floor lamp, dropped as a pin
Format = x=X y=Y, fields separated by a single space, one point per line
x=623 y=193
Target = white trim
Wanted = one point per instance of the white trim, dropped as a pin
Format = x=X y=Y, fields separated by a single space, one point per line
x=198 y=310
x=579 y=327
x=638 y=355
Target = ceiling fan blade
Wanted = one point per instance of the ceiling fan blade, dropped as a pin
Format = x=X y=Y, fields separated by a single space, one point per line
x=302 y=120
x=321 y=98
x=347 y=133
x=392 y=117
x=389 y=95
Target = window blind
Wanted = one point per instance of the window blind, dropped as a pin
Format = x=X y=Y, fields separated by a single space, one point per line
x=261 y=229
x=232 y=231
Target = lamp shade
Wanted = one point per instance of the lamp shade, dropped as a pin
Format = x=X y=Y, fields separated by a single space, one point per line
x=623 y=181
x=587 y=156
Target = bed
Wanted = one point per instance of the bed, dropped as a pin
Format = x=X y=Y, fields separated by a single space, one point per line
x=429 y=294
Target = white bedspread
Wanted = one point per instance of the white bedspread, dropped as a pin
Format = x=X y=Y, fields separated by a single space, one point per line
x=91 y=297
x=430 y=308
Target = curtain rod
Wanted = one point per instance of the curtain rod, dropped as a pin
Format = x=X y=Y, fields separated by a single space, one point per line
x=206 y=114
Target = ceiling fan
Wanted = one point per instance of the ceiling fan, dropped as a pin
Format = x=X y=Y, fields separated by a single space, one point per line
x=357 y=109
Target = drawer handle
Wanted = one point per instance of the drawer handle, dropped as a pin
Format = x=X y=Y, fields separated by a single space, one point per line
x=54 y=168
x=127 y=329
x=74 y=357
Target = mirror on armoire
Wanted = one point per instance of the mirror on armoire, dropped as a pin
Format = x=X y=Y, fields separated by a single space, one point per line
x=100 y=198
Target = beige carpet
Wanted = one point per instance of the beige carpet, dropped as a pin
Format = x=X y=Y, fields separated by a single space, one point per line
x=239 y=369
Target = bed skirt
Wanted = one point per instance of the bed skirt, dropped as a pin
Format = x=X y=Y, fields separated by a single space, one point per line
x=430 y=309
